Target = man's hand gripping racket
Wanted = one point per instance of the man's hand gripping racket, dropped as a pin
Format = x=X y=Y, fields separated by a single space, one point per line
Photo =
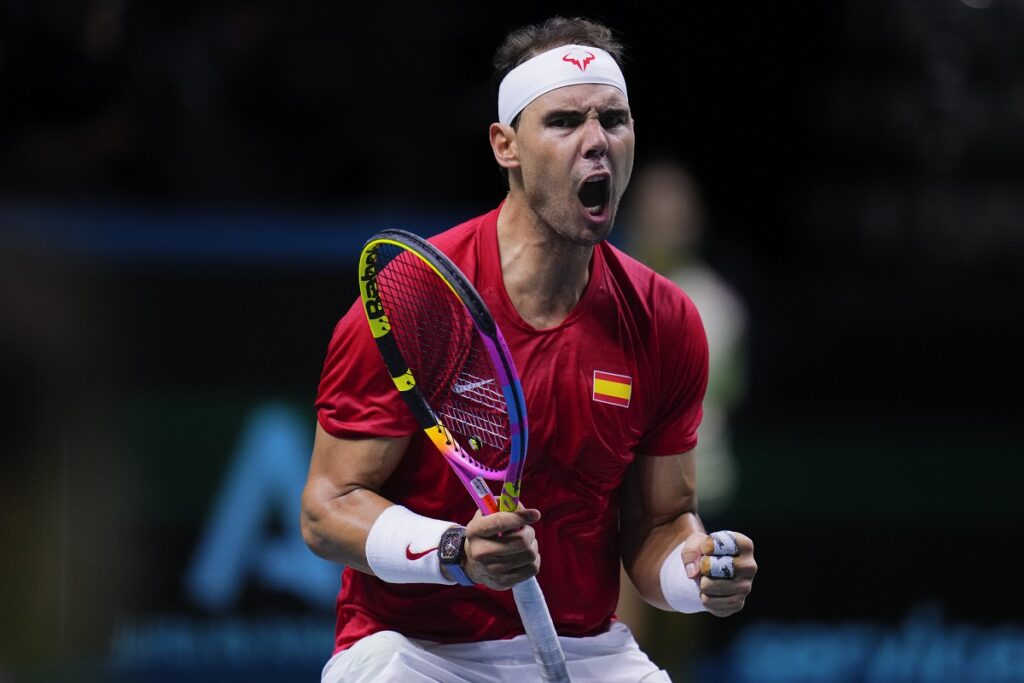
x=450 y=363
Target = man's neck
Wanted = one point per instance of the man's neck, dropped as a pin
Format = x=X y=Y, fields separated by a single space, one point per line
x=545 y=276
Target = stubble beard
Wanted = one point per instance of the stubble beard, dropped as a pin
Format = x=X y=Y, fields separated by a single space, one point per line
x=561 y=221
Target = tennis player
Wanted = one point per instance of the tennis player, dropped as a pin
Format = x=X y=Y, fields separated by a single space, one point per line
x=614 y=364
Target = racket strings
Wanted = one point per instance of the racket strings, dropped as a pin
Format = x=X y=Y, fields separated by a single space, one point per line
x=438 y=340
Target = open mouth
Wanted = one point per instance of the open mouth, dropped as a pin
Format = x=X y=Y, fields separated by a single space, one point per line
x=594 y=195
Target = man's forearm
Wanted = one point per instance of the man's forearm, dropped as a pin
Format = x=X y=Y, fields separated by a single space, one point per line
x=644 y=557
x=336 y=527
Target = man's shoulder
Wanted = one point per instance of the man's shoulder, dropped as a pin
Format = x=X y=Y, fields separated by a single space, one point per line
x=636 y=279
x=458 y=241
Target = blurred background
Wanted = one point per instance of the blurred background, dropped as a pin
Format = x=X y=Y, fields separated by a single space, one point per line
x=184 y=187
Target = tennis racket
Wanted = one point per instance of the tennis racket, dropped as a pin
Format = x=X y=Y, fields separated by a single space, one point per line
x=450 y=363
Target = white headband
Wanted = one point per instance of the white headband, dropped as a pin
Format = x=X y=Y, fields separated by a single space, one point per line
x=566 y=65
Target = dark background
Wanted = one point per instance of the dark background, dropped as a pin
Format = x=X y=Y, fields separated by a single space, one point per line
x=184 y=187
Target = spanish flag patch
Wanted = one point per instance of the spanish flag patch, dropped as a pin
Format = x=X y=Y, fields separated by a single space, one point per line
x=612 y=388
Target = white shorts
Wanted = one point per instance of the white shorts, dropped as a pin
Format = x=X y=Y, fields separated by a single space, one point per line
x=386 y=657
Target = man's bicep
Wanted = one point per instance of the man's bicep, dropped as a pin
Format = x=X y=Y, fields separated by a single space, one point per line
x=666 y=485
x=348 y=464
x=658 y=490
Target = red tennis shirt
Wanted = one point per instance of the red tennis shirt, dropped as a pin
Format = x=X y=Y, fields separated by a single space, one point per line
x=624 y=374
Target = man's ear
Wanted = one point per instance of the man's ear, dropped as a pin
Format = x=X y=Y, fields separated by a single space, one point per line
x=503 y=144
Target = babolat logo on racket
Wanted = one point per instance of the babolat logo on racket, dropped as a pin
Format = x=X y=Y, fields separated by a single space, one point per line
x=375 y=315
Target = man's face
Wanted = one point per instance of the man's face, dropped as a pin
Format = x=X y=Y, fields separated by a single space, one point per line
x=575 y=149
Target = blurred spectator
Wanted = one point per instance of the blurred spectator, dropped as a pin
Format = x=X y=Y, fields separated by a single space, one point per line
x=663 y=226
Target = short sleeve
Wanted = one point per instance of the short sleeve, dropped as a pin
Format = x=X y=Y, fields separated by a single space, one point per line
x=680 y=352
x=356 y=397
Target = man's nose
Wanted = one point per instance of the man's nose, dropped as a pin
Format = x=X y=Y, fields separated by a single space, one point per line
x=595 y=142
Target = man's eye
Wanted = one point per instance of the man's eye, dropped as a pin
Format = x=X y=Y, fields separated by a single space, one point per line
x=613 y=121
x=565 y=122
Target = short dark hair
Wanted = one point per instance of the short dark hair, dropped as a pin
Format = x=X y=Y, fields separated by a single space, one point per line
x=528 y=41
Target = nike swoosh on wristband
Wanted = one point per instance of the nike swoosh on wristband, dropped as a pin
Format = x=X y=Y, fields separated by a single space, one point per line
x=412 y=557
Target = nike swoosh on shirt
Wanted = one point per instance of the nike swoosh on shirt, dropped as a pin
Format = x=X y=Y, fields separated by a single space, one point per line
x=470 y=386
x=411 y=556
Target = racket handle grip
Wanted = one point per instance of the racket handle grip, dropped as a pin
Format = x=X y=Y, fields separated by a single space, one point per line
x=547 y=651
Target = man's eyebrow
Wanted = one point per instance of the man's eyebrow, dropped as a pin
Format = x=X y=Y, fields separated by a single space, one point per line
x=613 y=110
x=562 y=113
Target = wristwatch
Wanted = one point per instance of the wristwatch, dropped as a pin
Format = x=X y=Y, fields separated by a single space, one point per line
x=450 y=551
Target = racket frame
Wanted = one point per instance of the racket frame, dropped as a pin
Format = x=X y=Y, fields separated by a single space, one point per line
x=533 y=609
x=468 y=471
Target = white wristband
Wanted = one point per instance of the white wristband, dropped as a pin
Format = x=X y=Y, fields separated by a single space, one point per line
x=681 y=592
x=402 y=547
